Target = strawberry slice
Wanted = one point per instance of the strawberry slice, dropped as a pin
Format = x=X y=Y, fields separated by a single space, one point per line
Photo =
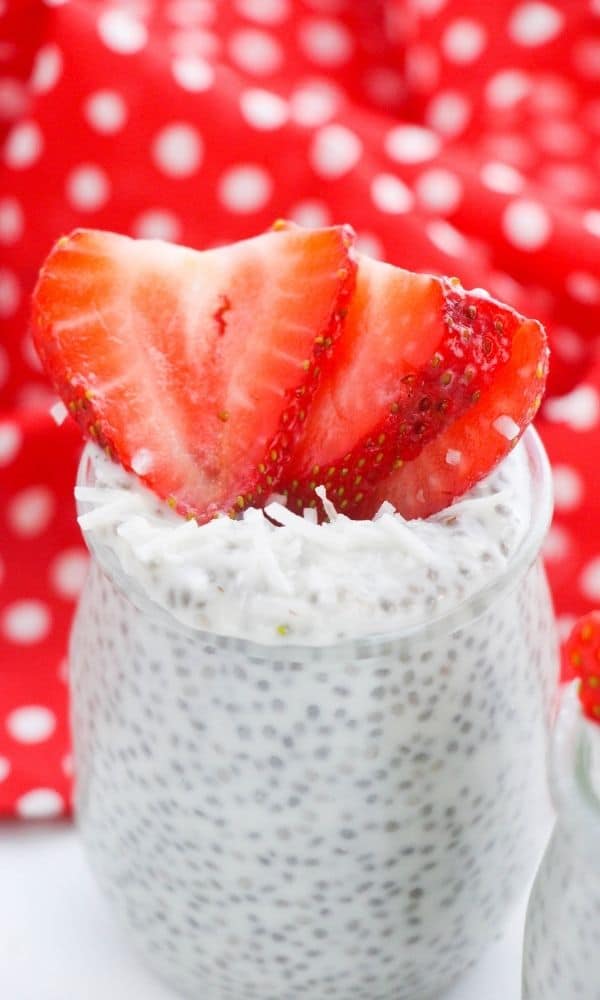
x=503 y=405
x=419 y=357
x=195 y=369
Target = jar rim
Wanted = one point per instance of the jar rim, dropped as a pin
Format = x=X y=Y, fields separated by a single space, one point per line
x=468 y=610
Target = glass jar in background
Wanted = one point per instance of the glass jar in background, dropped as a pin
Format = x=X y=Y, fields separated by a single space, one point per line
x=561 y=958
x=351 y=821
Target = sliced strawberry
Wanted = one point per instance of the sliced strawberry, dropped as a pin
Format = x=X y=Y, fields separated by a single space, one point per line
x=194 y=368
x=417 y=353
x=472 y=445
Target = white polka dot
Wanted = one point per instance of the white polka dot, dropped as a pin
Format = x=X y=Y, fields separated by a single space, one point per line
x=560 y=138
x=178 y=150
x=507 y=87
x=334 y=151
x=591 y=115
x=29 y=352
x=439 y=190
x=314 y=102
x=429 y=7
x=67 y=765
x=187 y=13
x=10 y=293
x=263 y=110
x=26 y=621
x=579 y=409
x=502 y=178
x=10 y=441
x=568 y=487
x=256 y=52
x=157 y=224
x=87 y=187
x=557 y=545
x=13 y=98
x=384 y=86
x=193 y=73
x=510 y=147
x=554 y=94
x=589 y=581
x=390 y=194
x=4 y=366
x=572 y=182
x=12 y=222
x=5 y=768
x=446 y=238
x=68 y=572
x=105 y=111
x=567 y=343
x=264 y=11
x=564 y=626
x=245 y=188
x=411 y=144
x=46 y=69
x=464 y=40
x=24 y=145
x=328 y=43
x=422 y=67
x=583 y=287
x=586 y=57
x=370 y=245
x=33 y=396
x=526 y=224
x=31 y=724
x=40 y=803
x=534 y=23
x=449 y=112
x=30 y=511
x=197 y=43
x=591 y=221
x=310 y=213
x=327 y=6
x=121 y=32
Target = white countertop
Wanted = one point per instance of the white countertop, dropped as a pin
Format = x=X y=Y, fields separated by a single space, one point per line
x=58 y=941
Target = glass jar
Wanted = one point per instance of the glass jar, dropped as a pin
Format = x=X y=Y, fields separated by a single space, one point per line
x=561 y=958
x=354 y=820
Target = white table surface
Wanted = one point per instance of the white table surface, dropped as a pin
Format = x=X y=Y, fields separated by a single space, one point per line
x=58 y=941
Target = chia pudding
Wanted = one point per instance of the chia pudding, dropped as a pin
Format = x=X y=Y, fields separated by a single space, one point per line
x=311 y=758
x=561 y=956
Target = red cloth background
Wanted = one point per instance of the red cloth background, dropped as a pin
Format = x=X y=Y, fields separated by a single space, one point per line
x=457 y=137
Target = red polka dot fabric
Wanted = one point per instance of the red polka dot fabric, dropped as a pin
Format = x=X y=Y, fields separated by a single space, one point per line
x=457 y=137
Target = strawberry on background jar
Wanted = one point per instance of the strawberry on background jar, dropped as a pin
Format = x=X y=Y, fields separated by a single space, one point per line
x=561 y=956
x=314 y=817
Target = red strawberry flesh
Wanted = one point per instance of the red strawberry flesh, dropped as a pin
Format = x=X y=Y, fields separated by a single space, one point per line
x=505 y=399
x=418 y=356
x=204 y=363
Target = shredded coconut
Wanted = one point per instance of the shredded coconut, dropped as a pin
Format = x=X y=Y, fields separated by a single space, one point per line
x=277 y=576
x=507 y=427
x=59 y=412
x=142 y=461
